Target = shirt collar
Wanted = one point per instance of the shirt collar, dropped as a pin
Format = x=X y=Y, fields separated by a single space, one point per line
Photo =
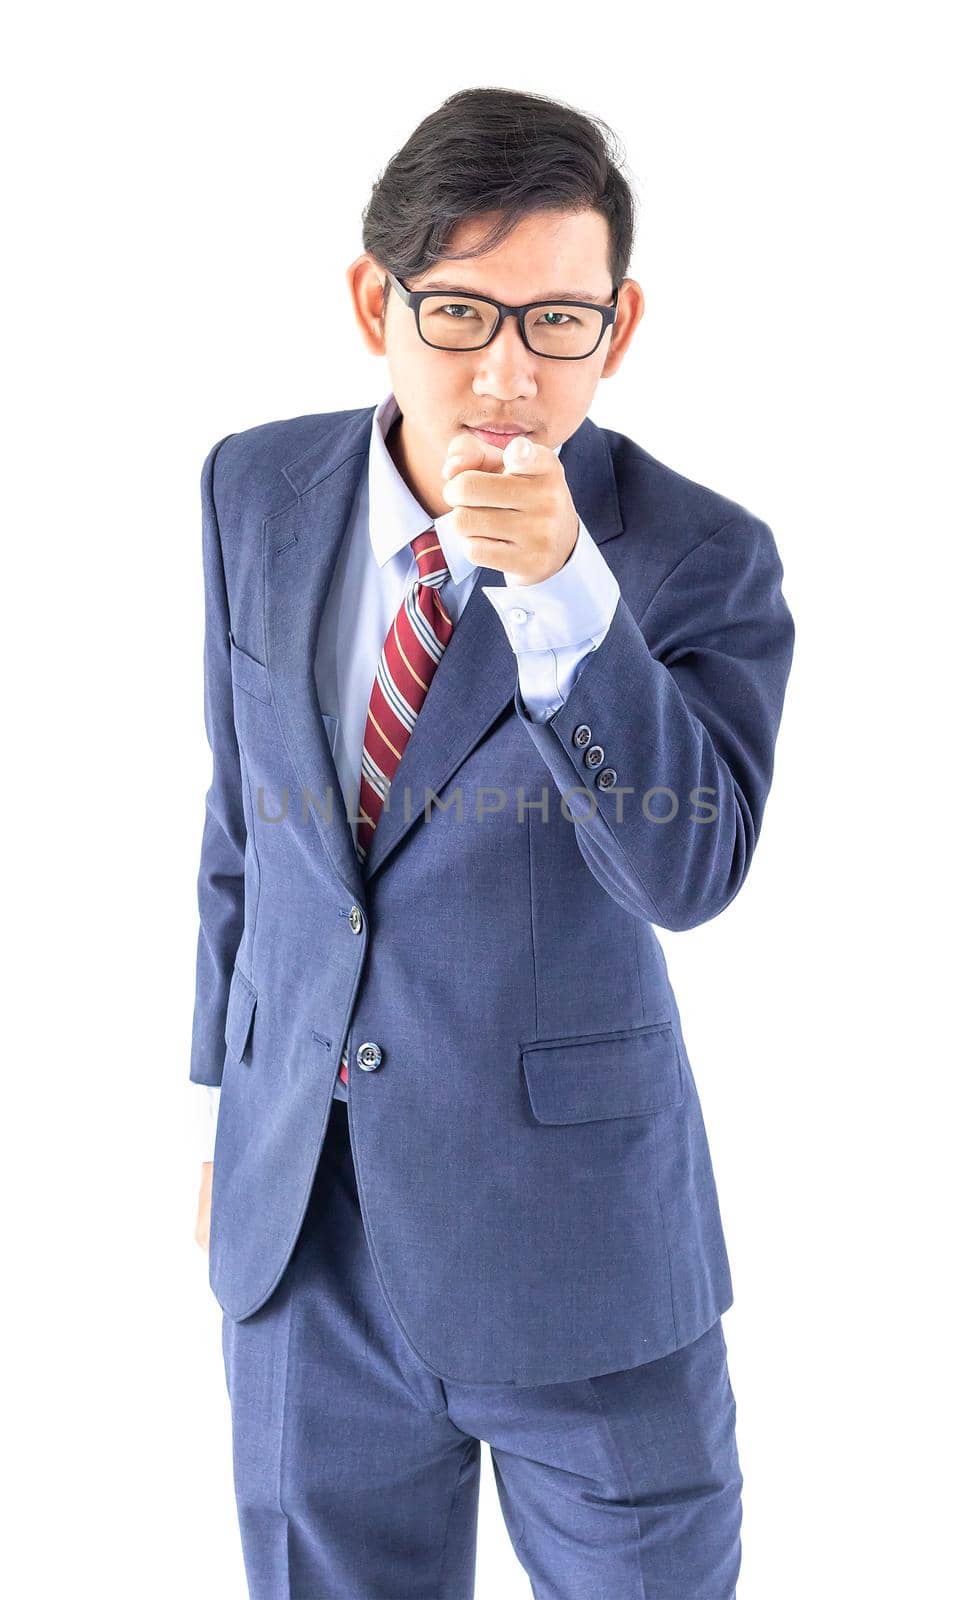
x=395 y=514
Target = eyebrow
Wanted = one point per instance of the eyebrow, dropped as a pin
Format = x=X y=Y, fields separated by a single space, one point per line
x=548 y=294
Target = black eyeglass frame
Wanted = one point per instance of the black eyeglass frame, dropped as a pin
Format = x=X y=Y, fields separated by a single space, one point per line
x=413 y=297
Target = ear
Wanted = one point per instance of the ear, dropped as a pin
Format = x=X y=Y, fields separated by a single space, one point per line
x=365 y=278
x=630 y=310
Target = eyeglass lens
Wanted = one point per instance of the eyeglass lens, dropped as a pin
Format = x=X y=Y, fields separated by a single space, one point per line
x=465 y=324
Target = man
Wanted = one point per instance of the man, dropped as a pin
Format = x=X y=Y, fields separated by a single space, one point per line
x=482 y=717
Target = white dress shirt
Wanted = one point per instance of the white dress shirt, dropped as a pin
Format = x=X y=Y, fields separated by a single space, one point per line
x=551 y=626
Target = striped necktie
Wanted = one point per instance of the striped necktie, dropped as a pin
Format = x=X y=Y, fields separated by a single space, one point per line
x=411 y=653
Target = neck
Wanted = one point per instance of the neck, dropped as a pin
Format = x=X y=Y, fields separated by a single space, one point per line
x=417 y=481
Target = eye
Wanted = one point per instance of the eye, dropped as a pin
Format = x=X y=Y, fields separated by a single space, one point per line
x=457 y=306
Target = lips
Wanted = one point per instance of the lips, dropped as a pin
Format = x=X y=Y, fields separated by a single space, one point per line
x=498 y=436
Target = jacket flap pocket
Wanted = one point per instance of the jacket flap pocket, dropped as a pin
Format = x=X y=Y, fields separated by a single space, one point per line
x=250 y=674
x=593 y=1076
x=241 y=1009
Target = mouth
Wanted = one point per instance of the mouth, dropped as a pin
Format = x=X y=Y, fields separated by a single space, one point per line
x=501 y=437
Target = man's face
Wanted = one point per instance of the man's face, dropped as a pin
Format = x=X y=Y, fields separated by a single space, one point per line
x=442 y=392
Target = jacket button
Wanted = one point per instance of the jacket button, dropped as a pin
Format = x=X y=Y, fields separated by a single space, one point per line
x=594 y=756
x=369 y=1056
x=581 y=735
x=606 y=778
x=356 y=919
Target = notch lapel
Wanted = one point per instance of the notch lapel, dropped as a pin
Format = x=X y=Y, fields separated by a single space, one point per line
x=300 y=547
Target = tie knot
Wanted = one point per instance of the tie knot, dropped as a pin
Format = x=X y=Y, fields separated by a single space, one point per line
x=430 y=559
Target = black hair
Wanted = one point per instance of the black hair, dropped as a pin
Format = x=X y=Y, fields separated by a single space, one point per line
x=492 y=149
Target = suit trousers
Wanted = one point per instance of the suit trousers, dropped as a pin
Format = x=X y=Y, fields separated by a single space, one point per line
x=357 y=1469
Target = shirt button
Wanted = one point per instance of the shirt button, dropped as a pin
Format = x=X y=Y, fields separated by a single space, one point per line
x=518 y=614
x=356 y=919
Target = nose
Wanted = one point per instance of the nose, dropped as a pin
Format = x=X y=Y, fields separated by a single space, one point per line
x=506 y=368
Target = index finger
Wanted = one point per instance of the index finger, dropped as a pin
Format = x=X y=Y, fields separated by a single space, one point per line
x=474 y=453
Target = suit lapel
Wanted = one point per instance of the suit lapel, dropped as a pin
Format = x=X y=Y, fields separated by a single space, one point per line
x=301 y=545
x=477 y=674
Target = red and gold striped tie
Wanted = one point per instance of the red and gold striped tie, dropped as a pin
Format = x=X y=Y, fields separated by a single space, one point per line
x=414 y=645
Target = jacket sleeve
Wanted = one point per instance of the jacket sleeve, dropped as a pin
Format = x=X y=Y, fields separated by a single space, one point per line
x=686 y=705
x=221 y=880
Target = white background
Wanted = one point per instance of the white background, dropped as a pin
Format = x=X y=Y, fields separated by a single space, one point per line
x=183 y=192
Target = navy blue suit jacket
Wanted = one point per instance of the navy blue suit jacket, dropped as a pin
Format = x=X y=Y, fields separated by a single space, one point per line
x=533 y=1170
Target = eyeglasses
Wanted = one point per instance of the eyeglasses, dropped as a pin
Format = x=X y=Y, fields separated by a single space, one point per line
x=459 y=321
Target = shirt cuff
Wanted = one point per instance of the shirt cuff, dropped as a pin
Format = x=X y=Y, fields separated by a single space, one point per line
x=546 y=677
x=572 y=606
x=205 y=1112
